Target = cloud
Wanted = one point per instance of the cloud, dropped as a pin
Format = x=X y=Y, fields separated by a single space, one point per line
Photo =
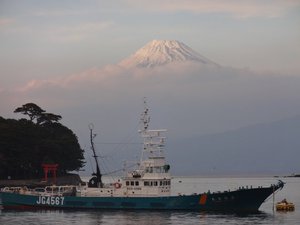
x=60 y=12
x=112 y=83
x=6 y=21
x=59 y=33
x=184 y=82
x=75 y=33
x=115 y=75
x=237 y=8
x=191 y=99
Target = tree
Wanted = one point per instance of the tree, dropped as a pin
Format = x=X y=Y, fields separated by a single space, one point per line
x=61 y=146
x=18 y=141
x=36 y=112
x=48 y=118
x=25 y=145
x=30 y=109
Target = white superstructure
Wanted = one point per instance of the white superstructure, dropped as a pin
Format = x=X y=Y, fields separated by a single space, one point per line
x=150 y=178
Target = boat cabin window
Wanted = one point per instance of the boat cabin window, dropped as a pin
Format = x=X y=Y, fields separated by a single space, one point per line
x=155 y=183
x=157 y=169
x=133 y=183
x=149 y=170
x=165 y=183
x=148 y=183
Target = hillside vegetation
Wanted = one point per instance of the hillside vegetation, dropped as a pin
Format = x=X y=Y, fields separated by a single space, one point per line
x=26 y=144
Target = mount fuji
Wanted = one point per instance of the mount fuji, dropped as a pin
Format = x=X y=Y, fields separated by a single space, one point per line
x=162 y=52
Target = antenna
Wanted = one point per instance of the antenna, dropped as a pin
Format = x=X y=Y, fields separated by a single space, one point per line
x=98 y=173
x=145 y=118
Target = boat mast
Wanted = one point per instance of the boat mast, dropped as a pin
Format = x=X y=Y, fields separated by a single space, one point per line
x=145 y=118
x=98 y=173
x=153 y=143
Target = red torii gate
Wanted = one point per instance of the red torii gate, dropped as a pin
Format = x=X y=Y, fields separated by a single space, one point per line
x=50 y=168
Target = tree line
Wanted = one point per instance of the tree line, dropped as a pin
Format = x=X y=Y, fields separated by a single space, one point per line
x=26 y=144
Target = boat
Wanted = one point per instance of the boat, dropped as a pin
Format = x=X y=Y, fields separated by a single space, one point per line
x=146 y=187
x=284 y=205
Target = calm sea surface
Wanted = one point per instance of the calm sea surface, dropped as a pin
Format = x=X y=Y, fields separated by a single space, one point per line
x=181 y=185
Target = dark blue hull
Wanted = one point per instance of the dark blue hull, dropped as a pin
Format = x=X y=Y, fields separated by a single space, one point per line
x=244 y=200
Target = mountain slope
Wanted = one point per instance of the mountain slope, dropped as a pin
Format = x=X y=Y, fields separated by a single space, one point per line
x=161 y=52
x=270 y=148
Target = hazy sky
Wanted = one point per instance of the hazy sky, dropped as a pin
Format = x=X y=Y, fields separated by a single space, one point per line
x=62 y=55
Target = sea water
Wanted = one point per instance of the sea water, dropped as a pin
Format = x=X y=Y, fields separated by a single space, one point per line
x=182 y=185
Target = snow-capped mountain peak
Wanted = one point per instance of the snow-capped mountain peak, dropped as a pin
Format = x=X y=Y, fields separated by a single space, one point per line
x=161 y=52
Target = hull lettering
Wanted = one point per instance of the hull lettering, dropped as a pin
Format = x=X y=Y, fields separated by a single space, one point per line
x=50 y=200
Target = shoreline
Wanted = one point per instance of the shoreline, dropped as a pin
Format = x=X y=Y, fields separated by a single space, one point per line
x=69 y=179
